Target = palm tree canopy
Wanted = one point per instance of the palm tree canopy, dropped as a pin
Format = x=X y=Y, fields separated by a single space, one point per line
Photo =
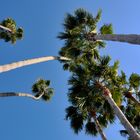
x=132 y=112
x=42 y=87
x=131 y=109
x=15 y=34
x=89 y=69
x=76 y=46
x=76 y=26
x=86 y=97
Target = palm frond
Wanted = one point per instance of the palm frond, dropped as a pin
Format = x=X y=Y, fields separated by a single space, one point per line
x=19 y=33
x=77 y=123
x=90 y=129
x=134 y=81
x=71 y=111
x=106 y=29
x=48 y=94
x=122 y=78
x=105 y=60
x=81 y=15
x=98 y=16
x=103 y=120
x=63 y=35
x=70 y=22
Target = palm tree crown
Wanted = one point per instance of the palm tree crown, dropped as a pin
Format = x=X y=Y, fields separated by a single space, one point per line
x=75 y=28
x=86 y=95
x=13 y=34
x=131 y=108
x=86 y=98
x=82 y=26
x=41 y=88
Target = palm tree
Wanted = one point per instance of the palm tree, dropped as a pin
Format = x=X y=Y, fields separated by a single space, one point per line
x=133 y=89
x=23 y=63
x=75 y=29
x=130 y=129
x=9 y=31
x=111 y=84
x=82 y=25
x=131 y=107
x=40 y=89
x=104 y=80
x=93 y=110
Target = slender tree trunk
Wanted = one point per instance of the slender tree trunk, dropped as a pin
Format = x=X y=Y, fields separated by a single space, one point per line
x=99 y=128
x=128 y=38
x=129 y=95
x=131 y=131
x=5 y=29
x=12 y=94
x=23 y=63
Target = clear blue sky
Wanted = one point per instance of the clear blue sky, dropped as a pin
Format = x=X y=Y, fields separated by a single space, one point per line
x=25 y=119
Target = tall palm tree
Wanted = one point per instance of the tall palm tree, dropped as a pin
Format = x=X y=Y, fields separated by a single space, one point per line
x=111 y=84
x=76 y=49
x=15 y=65
x=104 y=81
x=83 y=25
x=103 y=78
x=9 y=31
x=130 y=129
x=93 y=110
x=41 y=89
x=75 y=28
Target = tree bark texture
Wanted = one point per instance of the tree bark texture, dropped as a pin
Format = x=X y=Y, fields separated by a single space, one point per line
x=23 y=63
x=12 y=94
x=128 y=38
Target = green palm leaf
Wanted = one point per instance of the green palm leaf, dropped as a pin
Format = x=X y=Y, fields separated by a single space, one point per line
x=42 y=87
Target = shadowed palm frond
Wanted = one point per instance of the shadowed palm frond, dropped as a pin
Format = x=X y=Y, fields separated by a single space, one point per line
x=76 y=119
x=90 y=129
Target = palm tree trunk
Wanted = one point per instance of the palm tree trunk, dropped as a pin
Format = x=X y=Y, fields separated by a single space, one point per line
x=107 y=95
x=128 y=38
x=5 y=29
x=12 y=94
x=99 y=128
x=19 y=64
